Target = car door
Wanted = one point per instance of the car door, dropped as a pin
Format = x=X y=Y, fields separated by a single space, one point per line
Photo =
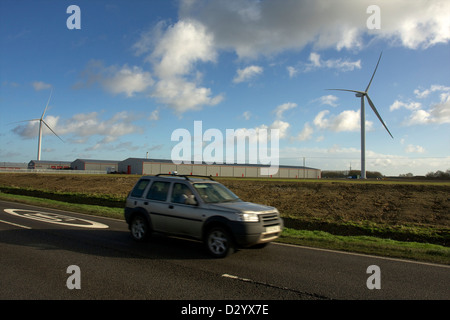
x=185 y=216
x=157 y=206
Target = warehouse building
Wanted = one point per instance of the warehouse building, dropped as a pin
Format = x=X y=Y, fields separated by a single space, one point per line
x=13 y=165
x=154 y=166
x=96 y=165
x=41 y=164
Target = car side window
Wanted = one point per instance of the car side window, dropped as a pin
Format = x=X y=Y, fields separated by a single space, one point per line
x=139 y=189
x=181 y=193
x=158 y=191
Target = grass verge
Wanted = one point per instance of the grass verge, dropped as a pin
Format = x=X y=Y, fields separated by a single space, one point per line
x=368 y=245
x=320 y=239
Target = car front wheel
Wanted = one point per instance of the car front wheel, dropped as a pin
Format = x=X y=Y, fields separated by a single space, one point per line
x=219 y=243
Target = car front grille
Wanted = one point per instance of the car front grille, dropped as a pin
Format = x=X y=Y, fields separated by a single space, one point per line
x=270 y=219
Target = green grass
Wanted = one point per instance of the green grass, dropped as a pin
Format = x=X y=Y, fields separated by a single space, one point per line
x=313 y=238
x=368 y=245
x=96 y=210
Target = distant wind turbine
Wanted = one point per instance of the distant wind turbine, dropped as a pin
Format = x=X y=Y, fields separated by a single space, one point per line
x=362 y=94
x=42 y=121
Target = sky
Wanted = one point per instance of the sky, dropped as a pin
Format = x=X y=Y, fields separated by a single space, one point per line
x=123 y=76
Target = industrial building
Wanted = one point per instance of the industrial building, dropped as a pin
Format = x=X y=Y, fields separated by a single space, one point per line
x=41 y=164
x=154 y=166
x=98 y=165
x=144 y=166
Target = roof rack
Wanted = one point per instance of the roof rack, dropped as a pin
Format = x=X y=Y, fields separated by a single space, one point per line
x=186 y=176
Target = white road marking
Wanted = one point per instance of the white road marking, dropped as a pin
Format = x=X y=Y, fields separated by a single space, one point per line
x=15 y=224
x=56 y=218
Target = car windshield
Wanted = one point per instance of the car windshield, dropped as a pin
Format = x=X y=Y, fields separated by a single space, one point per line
x=215 y=193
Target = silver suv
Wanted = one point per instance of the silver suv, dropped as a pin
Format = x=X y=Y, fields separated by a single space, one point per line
x=200 y=208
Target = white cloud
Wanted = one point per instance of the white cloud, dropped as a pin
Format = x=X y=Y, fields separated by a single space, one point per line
x=247 y=73
x=127 y=80
x=180 y=47
x=414 y=149
x=246 y=115
x=40 y=85
x=183 y=96
x=306 y=133
x=82 y=126
x=292 y=71
x=426 y=92
x=154 y=115
x=281 y=109
x=342 y=65
x=409 y=106
x=283 y=126
x=328 y=100
x=347 y=120
x=116 y=80
x=437 y=113
x=174 y=53
x=254 y=27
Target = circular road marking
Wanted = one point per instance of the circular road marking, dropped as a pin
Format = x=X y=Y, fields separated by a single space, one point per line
x=56 y=218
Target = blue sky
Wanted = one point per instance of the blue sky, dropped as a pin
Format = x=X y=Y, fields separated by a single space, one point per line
x=138 y=70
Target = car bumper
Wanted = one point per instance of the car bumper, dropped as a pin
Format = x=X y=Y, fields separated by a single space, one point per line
x=249 y=234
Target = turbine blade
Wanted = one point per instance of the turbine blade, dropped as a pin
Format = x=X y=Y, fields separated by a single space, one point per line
x=378 y=115
x=373 y=75
x=355 y=91
x=42 y=117
x=24 y=121
x=52 y=130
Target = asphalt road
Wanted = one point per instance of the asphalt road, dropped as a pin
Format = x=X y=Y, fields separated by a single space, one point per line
x=37 y=247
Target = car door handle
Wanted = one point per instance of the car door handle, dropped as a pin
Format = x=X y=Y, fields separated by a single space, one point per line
x=145 y=203
x=170 y=206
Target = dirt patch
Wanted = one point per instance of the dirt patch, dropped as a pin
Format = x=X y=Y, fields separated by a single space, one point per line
x=386 y=203
x=335 y=201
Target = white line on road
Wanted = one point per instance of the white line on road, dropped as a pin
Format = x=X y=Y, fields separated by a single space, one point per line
x=363 y=255
x=15 y=224
x=230 y=276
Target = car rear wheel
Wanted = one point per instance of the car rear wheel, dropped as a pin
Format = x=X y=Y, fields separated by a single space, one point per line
x=139 y=228
x=219 y=243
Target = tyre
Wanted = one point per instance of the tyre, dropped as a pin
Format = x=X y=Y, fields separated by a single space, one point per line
x=140 y=230
x=219 y=243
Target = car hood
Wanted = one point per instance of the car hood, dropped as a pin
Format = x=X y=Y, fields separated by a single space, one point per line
x=243 y=206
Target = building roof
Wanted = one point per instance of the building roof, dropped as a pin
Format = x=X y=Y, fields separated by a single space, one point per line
x=49 y=162
x=97 y=161
x=221 y=164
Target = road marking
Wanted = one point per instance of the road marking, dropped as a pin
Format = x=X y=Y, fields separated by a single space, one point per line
x=15 y=224
x=362 y=255
x=56 y=218
x=316 y=296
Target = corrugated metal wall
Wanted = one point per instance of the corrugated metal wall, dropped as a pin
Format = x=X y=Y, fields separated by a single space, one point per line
x=220 y=171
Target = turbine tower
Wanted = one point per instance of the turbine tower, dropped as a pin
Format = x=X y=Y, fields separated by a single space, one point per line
x=362 y=94
x=42 y=121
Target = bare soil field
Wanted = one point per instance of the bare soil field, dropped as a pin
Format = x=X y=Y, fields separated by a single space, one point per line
x=331 y=201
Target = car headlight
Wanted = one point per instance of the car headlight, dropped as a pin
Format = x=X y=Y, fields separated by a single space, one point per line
x=249 y=217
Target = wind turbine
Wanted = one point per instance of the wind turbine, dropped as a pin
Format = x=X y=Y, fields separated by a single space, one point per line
x=362 y=94
x=42 y=121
